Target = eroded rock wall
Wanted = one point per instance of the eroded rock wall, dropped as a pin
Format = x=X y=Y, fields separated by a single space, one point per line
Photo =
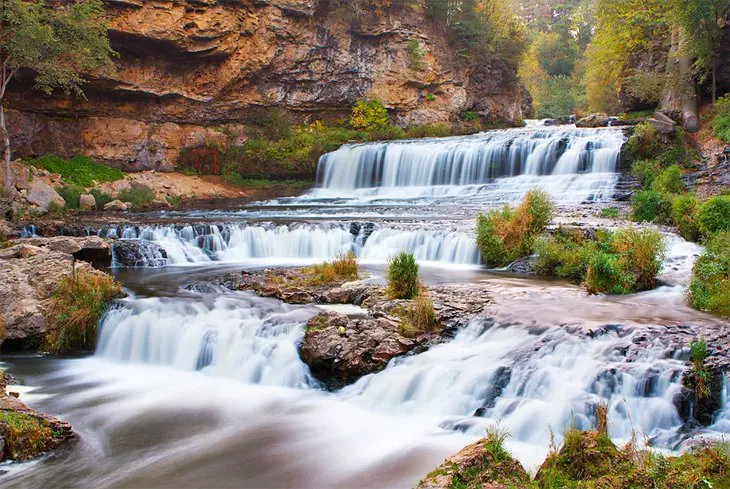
x=189 y=67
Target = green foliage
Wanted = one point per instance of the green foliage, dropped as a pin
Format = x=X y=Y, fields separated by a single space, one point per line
x=415 y=55
x=702 y=27
x=428 y=131
x=138 y=194
x=651 y=206
x=369 y=115
x=669 y=181
x=610 y=212
x=645 y=144
x=555 y=97
x=506 y=235
x=71 y=194
x=430 y=97
x=469 y=116
x=403 y=282
x=721 y=118
x=646 y=86
x=702 y=376
x=685 y=215
x=714 y=215
x=556 y=53
x=623 y=262
x=80 y=170
x=646 y=171
x=101 y=198
x=709 y=289
x=56 y=43
x=76 y=307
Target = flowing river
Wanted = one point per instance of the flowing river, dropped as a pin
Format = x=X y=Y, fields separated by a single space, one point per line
x=198 y=386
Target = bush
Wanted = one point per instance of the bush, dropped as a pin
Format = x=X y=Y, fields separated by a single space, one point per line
x=721 y=120
x=138 y=194
x=606 y=274
x=685 y=212
x=645 y=144
x=709 y=289
x=670 y=181
x=651 y=206
x=420 y=317
x=565 y=255
x=714 y=215
x=101 y=198
x=75 y=309
x=506 y=235
x=344 y=267
x=646 y=171
x=71 y=194
x=369 y=115
x=641 y=253
x=79 y=170
x=469 y=116
x=403 y=276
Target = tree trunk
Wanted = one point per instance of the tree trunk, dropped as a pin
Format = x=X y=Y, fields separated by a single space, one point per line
x=6 y=148
x=680 y=95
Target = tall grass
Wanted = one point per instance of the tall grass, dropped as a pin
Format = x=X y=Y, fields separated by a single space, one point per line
x=75 y=309
x=403 y=282
x=420 y=317
x=343 y=267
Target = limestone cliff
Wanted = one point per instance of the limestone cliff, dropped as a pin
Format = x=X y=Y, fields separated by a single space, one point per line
x=189 y=67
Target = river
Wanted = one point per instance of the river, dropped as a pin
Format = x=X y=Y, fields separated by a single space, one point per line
x=203 y=387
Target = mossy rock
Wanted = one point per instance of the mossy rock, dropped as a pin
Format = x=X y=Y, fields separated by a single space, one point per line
x=25 y=436
x=484 y=464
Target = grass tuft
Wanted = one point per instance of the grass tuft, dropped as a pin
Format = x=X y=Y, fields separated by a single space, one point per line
x=344 y=267
x=403 y=280
x=420 y=317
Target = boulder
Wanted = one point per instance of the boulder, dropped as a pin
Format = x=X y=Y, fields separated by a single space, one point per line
x=115 y=205
x=484 y=464
x=87 y=202
x=594 y=120
x=42 y=196
x=138 y=253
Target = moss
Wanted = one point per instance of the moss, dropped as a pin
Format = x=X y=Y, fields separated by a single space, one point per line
x=26 y=436
x=75 y=309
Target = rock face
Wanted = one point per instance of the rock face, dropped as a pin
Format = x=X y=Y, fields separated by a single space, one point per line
x=138 y=253
x=481 y=465
x=30 y=274
x=187 y=68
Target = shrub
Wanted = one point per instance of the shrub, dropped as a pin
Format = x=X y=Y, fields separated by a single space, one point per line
x=506 y=235
x=709 y=289
x=469 y=116
x=651 y=206
x=403 y=276
x=670 y=180
x=714 y=215
x=369 y=115
x=645 y=144
x=79 y=170
x=385 y=134
x=721 y=120
x=646 y=171
x=641 y=253
x=439 y=130
x=685 y=211
x=610 y=212
x=564 y=255
x=71 y=194
x=420 y=317
x=343 y=267
x=138 y=194
x=702 y=376
x=606 y=274
x=101 y=198
x=75 y=309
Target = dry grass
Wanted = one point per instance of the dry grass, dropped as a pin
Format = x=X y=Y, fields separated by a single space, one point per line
x=75 y=309
x=420 y=317
x=344 y=267
x=26 y=436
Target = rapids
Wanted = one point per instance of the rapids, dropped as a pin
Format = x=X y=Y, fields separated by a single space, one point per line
x=198 y=386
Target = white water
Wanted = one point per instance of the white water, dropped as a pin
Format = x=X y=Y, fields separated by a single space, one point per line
x=301 y=243
x=574 y=165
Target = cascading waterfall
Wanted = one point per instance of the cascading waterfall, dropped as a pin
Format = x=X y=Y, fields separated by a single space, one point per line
x=236 y=243
x=572 y=164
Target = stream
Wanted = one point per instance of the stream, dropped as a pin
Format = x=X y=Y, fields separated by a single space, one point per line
x=203 y=387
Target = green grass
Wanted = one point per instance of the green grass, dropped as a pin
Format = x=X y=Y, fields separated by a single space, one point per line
x=403 y=281
x=505 y=235
x=709 y=288
x=80 y=170
x=610 y=213
x=75 y=309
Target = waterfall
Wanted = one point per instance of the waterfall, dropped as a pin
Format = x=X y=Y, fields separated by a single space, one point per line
x=573 y=164
x=298 y=242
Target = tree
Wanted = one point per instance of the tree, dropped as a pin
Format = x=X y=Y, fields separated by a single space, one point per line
x=55 y=45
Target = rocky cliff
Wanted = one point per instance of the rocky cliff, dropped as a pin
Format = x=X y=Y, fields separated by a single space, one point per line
x=191 y=70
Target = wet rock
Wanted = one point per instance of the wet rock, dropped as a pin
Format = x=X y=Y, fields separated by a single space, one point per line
x=476 y=466
x=362 y=229
x=43 y=195
x=138 y=253
x=87 y=202
x=524 y=265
